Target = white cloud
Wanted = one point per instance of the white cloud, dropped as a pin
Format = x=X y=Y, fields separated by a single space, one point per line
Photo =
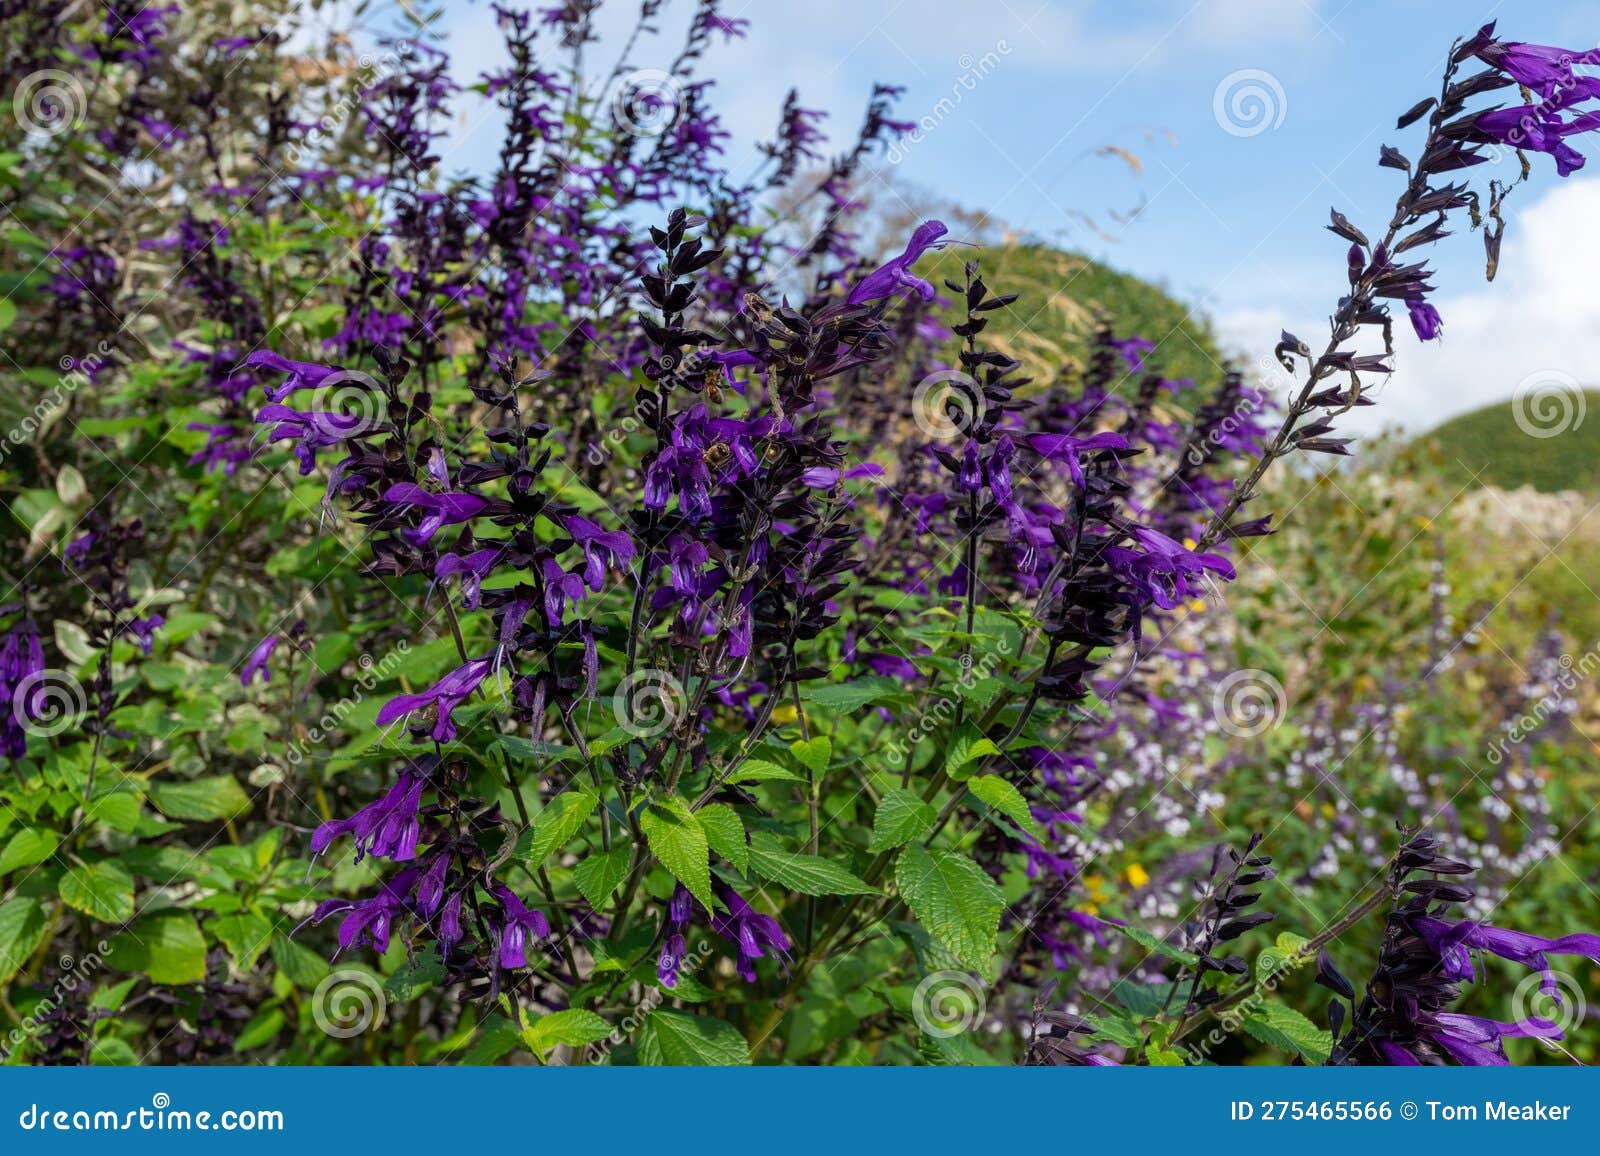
x=1539 y=318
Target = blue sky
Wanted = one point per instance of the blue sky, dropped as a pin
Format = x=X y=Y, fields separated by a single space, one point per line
x=1231 y=221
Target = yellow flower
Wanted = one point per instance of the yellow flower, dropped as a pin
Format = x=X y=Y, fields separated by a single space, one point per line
x=1136 y=875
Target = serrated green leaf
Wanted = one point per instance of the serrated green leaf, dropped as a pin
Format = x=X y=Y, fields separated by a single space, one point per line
x=103 y=890
x=680 y=1039
x=954 y=899
x=759 y=770
x=807 y=874
x=598 y=875
x=573 y=1027
x=967 y=746
x=678 y=841
x=1282 y=1027
x=1004 y=797
x=557 y=823
x=901 y=817
x=28 y=846
x=725 y=832
x=200 y=800
x=845 y=697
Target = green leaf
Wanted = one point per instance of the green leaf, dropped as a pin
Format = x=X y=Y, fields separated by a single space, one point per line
x=902 y=816
x=110 y=1052
x=304 y=967
x=807 y=874
x=414 y=976
x=813 y=753
x=599 y=874
x=1282 y=1027
x=22 y=929
x=967 y=746
x=263 y=1028
x=28 y=846
x=679 y=842
x=954 y=899
x=759 y=770
x=497 y=1037
x=680 y=1039
x=845 y=697
x=1144 y=1000
x=200 y=800
x=245 y=934
x=119 y=810
x=103 y=890
x=1005 y=798
x=167 y=946
x=557 y=823
x=725 y=832
x=1150 y=943
x=573 y=1027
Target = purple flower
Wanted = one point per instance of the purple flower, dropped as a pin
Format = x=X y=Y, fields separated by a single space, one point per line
x=896 y=274
x=520 y=923
x=1454 y=942
x=313 y=430
x=1067 y=448
x=388 y=827
x=752 y=931
x=680 y=910
x=301 y=374
x=257 y=662
x=470 y=569
x=444 y=696
x=444 y=509
x=1424 y=319
x=1167 y=569
x=602 y=549
x=369 y=920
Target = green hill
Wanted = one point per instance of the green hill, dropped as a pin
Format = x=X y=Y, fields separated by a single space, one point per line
x=1488 y=444
x=1052 y=320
